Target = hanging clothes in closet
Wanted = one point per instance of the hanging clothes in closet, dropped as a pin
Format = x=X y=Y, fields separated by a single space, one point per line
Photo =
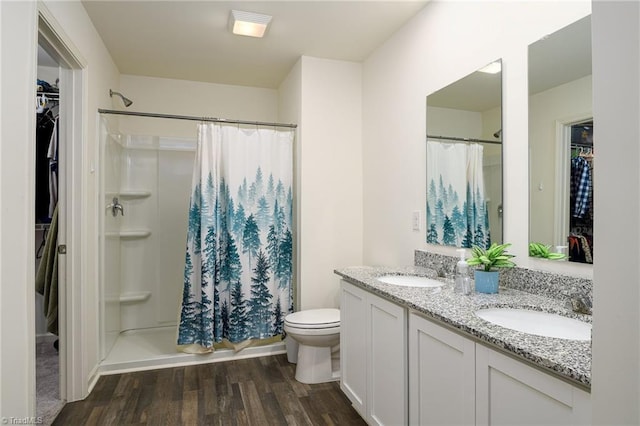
x=46 y=159
x=47 y=276
x=46 y=182
x=580 y=239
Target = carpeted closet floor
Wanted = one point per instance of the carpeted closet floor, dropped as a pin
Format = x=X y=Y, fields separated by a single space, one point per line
x=48 y=403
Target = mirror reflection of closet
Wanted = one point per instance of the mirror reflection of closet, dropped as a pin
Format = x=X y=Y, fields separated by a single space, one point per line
x=48 y=399
x=580 y=239
x=561 y=142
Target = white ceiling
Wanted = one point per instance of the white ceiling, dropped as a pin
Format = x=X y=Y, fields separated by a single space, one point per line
x=189 y=40
x=560 y=57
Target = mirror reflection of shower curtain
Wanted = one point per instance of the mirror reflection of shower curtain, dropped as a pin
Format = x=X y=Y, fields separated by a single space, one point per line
x=238 y=263
x=456 y=201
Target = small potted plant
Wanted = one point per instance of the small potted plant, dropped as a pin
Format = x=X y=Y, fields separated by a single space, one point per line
x=490 y=260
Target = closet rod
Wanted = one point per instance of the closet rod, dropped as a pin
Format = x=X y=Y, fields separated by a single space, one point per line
x=581 y=145
x=193 y=118
x=450 y=138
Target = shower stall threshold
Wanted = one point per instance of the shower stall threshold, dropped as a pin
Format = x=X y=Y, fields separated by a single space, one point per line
x=152 y=348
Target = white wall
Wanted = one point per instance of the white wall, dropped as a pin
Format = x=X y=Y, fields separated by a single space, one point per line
x=18 y=40
x=48 y=74
x=181 y=97
x=441 y=44
x=329 y=172
x=454 y=122
x=616 y=108
x=289 y=111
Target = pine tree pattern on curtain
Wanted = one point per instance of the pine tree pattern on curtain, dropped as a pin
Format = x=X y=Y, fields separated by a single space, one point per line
x=239 y=256
x=456 y=206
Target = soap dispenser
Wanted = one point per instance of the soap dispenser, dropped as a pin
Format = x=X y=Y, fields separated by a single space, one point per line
x=463 y=281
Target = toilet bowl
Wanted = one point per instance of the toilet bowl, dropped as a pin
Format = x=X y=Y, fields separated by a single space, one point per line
x=317 y=333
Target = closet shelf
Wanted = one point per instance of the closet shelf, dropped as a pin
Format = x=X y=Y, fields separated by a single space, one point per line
x=136 y=297
x=129 y=234
x=42 y=226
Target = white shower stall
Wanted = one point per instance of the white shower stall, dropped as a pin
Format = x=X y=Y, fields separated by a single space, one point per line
x=146 y=184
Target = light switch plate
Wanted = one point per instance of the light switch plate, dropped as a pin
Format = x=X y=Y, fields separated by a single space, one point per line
x=415 y=219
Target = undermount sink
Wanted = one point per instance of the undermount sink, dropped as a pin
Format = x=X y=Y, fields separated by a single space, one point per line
x=538 y=323
x=410 y=281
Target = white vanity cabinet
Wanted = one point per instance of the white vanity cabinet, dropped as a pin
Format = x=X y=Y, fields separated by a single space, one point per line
x=453 y=380
x=442 y=375
x=510 y=392
x=373 y=356
x=353 y=348
x=449 y=378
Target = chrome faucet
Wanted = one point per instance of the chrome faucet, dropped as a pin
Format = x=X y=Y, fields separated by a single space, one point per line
x=581 y=304
x=443 y=270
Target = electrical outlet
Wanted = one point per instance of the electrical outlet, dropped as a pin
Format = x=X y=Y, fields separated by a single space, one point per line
x=415 y=219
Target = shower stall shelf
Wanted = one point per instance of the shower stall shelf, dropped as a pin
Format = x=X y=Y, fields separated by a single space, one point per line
x=132 y=195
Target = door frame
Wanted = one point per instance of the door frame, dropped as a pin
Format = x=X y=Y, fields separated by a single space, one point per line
x=563 y=170
x=71 y=224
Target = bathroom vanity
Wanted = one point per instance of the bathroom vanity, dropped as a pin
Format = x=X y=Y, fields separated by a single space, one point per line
x=422 y=356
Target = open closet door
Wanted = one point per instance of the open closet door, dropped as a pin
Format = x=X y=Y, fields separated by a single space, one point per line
x=50 y=229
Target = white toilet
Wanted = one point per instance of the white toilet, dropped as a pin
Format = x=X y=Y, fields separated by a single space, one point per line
x=317 y=333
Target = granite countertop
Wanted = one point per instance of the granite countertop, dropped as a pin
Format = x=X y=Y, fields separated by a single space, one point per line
x=568 y=359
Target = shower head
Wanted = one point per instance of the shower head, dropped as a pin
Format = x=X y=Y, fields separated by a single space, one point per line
x=497 y=134
x=127 y=102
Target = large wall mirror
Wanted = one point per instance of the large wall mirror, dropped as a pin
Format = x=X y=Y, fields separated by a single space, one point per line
x=464 y=160
x=561 y=142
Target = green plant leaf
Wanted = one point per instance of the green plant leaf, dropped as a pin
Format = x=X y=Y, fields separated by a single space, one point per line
x=493 y=257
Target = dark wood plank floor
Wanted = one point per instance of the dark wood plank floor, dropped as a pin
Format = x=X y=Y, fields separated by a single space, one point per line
x=256 y=391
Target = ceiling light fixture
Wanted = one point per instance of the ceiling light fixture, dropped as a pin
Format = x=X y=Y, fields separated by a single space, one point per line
x=492 y=68
x=248 y=23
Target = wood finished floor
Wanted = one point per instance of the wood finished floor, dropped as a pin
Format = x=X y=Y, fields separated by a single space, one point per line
x=256 y=391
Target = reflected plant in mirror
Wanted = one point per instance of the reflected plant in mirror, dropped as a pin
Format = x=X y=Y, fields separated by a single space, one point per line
x=545 y=252
x=561 y=142
x=464 y=161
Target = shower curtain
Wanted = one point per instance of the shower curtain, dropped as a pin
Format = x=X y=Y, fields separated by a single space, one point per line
x=456 y=203
x=239 y=258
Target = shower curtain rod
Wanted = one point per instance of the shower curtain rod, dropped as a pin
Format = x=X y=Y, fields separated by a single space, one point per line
x=193 y=118
x=450 y=138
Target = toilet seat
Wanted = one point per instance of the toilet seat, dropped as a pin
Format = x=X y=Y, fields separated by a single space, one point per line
x=314 y=319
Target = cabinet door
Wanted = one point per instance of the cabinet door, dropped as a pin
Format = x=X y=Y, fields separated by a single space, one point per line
x=510 y=392
x=353 y=350
x=441 y=375
x=387 y=397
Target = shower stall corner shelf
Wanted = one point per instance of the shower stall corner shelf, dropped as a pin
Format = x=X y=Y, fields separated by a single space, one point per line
x=128 y=194
x=129 y=235
x=131 y=195
x=135 y=297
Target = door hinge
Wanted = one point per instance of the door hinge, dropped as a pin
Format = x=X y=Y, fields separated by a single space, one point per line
x=62 y=249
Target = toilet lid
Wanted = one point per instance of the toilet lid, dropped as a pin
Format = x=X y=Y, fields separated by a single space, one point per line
x=314 y=318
